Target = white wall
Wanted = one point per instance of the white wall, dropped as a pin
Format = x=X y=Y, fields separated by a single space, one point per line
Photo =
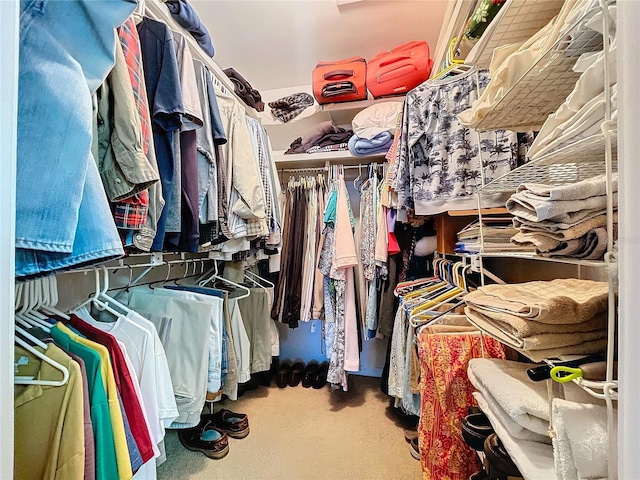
x=276 y=44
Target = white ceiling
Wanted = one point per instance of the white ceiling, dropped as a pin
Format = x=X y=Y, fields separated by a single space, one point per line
x=276 y=44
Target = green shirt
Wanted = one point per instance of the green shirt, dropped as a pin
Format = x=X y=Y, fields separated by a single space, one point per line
x=105 y=455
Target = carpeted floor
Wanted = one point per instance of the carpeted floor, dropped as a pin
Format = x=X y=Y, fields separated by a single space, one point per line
x=299 y=434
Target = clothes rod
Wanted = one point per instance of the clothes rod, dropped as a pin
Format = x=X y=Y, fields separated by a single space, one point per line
x=324 y=169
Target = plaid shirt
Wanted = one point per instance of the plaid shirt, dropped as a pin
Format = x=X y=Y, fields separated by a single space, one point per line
x=131 y=213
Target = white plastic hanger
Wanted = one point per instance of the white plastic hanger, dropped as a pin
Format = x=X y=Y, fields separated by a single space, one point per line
x=21 y=380
x=215 y=276
x=52 y=298
x=95 y=298
x=256 y=279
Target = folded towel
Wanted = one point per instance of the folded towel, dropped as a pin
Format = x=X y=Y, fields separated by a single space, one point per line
x=580 y=446
x=591 y=246
x=530 y=345
x=565 y=300
x=576 y=231
x=516 y=431
x=591 y=187
x=552 y=226
x=506 y=383
x=541 y=242
x=535 y=210
x=378 y=144
x=287 y=108
x=523 y=327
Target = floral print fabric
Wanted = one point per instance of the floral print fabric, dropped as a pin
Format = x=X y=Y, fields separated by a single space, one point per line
x=441 y=163
x=446 y=393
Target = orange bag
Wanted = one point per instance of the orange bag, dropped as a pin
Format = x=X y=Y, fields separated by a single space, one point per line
x=340 y=81
x=397 y=71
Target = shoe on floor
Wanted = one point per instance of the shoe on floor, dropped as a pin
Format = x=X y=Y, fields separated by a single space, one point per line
x=320 y=378
x=236 y=425
x=309 y=373
x=414 y=448
x=297 y=372
x=205 y=438
x=410 y=434
x=282 y=375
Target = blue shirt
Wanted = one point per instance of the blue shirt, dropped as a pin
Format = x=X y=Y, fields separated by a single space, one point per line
x=165 y=106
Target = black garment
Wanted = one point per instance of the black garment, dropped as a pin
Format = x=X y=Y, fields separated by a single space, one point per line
x=284 y=264
x=244 y=90
x=388 y=301
x=293 y=295
x=334 y=138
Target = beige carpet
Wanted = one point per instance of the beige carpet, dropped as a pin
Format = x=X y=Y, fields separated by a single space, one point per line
x=299 y=433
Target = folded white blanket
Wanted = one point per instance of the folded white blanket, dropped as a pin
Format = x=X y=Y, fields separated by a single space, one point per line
x=516 y=431
x=506 y=383
x=580 y=446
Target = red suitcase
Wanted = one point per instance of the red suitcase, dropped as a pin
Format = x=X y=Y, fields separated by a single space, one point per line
x=340 y=81
x=399 y=70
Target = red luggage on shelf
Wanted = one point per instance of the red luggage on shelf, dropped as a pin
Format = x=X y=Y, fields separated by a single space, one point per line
x=397 y=71
x=340 y=81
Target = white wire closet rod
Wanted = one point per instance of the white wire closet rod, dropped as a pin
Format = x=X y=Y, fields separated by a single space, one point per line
x=545 y=85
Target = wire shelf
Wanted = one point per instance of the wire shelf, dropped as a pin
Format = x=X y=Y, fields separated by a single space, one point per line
x=548 y=174
x=590 y=150
x=521 y=20
x=534 y=256
x=544 y=86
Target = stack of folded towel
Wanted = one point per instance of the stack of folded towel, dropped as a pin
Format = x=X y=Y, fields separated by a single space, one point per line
x=565 y=221
x=496 y=236
x=323 y=137
x=374 y=128
x=543 y=319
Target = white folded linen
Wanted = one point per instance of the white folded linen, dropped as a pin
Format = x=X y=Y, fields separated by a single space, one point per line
x=506 y=383
x=516 y=431
x=580 y=445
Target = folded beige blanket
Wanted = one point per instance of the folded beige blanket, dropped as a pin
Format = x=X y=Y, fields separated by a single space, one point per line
x=576 y=231
x=542 y=242
x=553 y=226
x=543 y=341
x=523 y=327
x=590 y=187
x=534 y=209
x=591 y=246
x=565 y=300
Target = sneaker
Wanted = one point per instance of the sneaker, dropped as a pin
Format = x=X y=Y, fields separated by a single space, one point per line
x=236 y=425
x=410 y=435
x=205 y=438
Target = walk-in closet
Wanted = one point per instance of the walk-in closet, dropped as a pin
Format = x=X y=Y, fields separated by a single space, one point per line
x=324 y=239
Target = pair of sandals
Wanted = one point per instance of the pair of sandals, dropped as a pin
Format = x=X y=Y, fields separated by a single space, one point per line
x=313 y=375
x=479 y=435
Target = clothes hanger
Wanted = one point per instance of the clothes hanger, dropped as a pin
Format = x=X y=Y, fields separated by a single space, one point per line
x=95 y=298
x=257 y=278
x=215 y=276
x=21 y=380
